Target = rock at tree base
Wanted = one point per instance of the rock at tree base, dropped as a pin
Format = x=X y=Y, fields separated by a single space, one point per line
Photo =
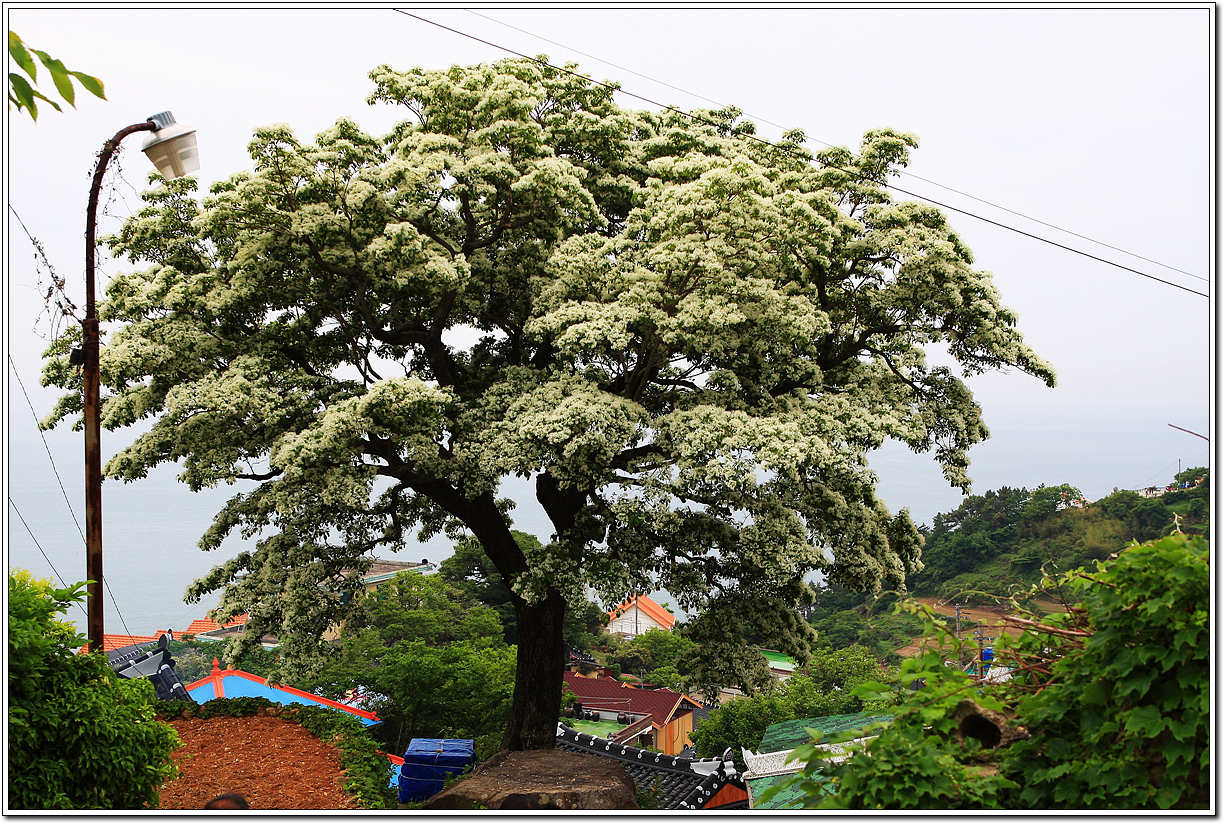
x=541 y=780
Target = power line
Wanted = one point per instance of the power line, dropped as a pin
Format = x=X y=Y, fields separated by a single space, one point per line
x=47 y=447
x=55 y=470
x=787 y=150
x=905 y=172
x=59 y=577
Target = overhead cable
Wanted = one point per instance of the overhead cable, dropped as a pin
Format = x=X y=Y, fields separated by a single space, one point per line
x=904 y=172
x=697 y=118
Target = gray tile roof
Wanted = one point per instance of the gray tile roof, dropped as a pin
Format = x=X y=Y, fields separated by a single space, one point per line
x=682 y=783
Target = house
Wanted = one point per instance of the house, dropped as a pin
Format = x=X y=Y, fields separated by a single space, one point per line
x=232 y=683
x=681 y=783
x=382 y=571
x=635 y=615
x=206 y=629
x=781 y=665
x=659 y=718
x=768 y=767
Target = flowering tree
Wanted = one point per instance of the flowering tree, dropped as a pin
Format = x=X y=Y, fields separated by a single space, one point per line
x=690 y=339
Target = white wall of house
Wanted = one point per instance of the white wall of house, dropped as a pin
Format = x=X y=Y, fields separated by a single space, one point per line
x=633 y=622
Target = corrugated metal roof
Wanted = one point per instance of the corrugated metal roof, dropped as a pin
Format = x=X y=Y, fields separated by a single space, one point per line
x=786 y=735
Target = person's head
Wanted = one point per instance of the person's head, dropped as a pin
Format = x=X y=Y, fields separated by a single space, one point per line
x=228 y=801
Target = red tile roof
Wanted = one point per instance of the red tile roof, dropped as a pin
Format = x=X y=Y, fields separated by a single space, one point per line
x=610 y=694
x=664 y=618
x=200 y=625
x=114 y=642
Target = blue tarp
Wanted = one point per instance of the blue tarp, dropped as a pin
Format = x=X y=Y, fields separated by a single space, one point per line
x=427 y=763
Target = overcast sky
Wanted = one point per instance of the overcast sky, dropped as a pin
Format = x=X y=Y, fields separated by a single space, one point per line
x=1098 y=122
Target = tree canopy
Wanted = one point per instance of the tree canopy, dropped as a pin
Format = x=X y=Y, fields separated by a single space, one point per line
x=690 y=339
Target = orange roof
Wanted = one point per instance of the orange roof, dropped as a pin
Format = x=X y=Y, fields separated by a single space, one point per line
x=664 y=618
x=200 y=625
x=114 y=642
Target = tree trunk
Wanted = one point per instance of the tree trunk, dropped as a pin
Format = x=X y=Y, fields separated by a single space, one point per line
x=538 y=674
x=541 y=647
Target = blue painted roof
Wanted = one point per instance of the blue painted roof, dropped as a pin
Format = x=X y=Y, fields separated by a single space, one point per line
x=239 y=684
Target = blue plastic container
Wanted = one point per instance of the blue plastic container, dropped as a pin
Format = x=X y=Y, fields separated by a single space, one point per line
x=427 y=763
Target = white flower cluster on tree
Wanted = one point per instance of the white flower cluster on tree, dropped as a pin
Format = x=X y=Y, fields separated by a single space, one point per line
x=689 y=338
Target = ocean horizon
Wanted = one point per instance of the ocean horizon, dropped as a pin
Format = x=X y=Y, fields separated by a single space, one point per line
x=151 y=527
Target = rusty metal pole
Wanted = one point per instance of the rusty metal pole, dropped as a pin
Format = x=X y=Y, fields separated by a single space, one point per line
x=91 y=397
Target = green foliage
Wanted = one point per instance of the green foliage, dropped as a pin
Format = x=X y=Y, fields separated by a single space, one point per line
x=193 y=659
x=690 y=339
x=366 y=770
x=917 y=761
x=431 y=660
x=657 y=656
x=426 y=608
x=996 y=545
x=1122 y=720
x=649 y=798
x=845 y=619
x=79 y=736
x=826 y=688
x=740 y=723
x=1115 y=694
x=22 y=91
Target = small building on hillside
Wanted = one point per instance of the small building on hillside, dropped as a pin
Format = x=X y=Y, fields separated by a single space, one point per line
x=662 y=719
x=638 y=614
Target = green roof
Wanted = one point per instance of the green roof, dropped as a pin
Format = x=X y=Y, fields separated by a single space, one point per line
x=789 y=799
x=600 y=729
x=778 y=660
x=786 y=735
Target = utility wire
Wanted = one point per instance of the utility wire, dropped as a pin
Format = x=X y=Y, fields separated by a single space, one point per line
x=905 y=172
x=47 y=447
x=787 y=150
x=44 y=554
x=71 y=511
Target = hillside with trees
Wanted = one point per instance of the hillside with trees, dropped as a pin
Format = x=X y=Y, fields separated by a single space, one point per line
x=997 y=544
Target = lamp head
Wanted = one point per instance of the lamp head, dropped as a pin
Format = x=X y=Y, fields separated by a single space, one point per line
x=172 y=147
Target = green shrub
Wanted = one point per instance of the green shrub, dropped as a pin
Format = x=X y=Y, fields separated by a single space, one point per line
x=1123 y=718
x=79 y=736
x=1115 y=694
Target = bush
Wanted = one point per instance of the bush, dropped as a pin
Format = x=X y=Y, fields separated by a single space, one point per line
x=1115 y=694
x=1123 y=716
x=79 y=736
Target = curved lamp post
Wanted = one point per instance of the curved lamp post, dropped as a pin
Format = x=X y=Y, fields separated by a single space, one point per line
x=172 y=148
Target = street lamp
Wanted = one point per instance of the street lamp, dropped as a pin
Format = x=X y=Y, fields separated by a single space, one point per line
x=172 y=148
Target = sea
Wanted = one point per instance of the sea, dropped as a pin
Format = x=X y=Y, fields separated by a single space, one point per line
x=151 y=527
